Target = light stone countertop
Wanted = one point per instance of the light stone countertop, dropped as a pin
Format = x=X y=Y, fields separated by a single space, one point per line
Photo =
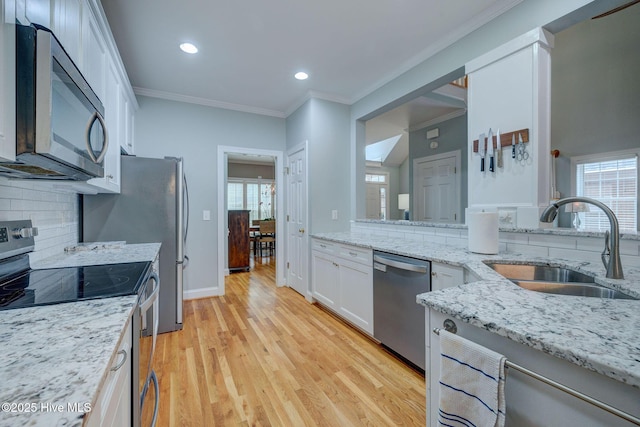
x=597 y=334
x=553 y=231
x=60 y=354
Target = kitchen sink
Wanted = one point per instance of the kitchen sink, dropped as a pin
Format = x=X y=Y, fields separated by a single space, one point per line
x=540 y=272
x=572 y=288
x=555 y=280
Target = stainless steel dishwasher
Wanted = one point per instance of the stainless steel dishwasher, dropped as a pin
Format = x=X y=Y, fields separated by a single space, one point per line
x=398 y=321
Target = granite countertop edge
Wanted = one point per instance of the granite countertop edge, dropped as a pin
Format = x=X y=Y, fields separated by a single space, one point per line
x=63 y=351
x=593 y=333
x=554 y=231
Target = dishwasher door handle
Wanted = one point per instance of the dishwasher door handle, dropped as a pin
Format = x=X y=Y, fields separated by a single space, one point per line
x=400 y=264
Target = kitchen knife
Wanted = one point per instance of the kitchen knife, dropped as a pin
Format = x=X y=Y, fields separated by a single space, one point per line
x=513 y=145
x=499 y=147
x=481 y=151
x=490 y=151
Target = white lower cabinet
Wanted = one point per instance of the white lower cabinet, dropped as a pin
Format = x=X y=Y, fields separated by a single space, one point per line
x=445 y=276
x=529 y=401
x=113 y=405
x=342 y=280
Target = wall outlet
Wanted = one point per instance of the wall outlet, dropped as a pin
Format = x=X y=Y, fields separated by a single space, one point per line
x=334 y=214
x=206 y=215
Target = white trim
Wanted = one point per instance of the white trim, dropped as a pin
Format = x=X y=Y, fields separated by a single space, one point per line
x=200 y=293
x=437 y=120
x=602 y=157
x=207 y=102
x=293 y=150
x=536 y=36
x=222 y=209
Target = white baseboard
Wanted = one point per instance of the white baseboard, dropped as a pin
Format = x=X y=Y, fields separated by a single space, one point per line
x=201 y=293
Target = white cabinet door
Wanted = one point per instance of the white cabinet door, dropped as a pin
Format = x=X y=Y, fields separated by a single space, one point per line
x=325 y=279
x=445 y=276
x=66 y=23
x=113 y=405
x=94 y=54
x=33 y=12
x=127 y=142
x=356 y=294
x=7 y=84
x=110 y=183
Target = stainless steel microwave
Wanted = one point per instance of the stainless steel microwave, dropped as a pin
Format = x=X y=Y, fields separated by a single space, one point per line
x=60 y=128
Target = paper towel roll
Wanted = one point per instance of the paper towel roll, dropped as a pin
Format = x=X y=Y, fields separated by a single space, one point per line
x=483 y=232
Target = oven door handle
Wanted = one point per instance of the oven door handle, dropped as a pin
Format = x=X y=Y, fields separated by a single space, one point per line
x=146 y=304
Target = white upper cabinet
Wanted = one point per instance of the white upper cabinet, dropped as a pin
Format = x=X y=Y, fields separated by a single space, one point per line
x=113 y=106
x=66 y=24
x=34 y=12
x=94 y=54
x=7 y=84
x=83 y=31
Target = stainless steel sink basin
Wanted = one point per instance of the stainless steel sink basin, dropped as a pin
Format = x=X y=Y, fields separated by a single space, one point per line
x=555 y=280
x=572 y=288
x=539 y=272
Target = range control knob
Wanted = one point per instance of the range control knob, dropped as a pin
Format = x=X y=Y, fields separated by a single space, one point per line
x=25 y=232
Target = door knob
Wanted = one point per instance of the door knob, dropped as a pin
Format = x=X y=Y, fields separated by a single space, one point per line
x=301 y=230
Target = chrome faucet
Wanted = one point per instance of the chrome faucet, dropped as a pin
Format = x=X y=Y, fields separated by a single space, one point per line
x=610 y=254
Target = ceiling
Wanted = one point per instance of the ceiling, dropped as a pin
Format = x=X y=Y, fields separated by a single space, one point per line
x=249 y=50
x=442 y=104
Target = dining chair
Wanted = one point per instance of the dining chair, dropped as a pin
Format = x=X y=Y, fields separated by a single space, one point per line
x=267 y=235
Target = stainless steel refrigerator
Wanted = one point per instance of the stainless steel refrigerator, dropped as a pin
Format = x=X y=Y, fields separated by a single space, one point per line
x=153 y=206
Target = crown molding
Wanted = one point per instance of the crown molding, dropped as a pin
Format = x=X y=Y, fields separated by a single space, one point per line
x=207 y=102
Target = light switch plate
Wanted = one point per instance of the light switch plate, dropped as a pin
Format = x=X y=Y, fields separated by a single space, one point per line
x=206 y=215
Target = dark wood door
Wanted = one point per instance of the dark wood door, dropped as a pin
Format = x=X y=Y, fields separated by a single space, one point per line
x=239 y=243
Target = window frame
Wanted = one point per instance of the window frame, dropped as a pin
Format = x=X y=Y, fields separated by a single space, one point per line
x=604 y=157
x=259 y=182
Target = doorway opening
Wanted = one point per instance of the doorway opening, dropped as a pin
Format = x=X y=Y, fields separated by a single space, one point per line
x=250 y=188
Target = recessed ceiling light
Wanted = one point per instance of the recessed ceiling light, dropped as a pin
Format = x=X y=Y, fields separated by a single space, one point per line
x=301 y=75
x=188 y=48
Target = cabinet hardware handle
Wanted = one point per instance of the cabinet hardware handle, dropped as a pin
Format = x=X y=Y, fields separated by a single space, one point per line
x=124 y=359
x=434 y=274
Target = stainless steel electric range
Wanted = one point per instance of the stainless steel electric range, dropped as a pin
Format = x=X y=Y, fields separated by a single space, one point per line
x=22 y=287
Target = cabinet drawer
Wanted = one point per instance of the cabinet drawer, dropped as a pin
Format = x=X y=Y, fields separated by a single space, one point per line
x=356 y=254
x=324 y=246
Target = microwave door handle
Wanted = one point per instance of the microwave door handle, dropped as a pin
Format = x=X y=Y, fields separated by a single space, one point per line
x=96 y=116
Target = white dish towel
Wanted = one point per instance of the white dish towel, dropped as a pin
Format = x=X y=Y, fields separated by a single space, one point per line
x=472 y=380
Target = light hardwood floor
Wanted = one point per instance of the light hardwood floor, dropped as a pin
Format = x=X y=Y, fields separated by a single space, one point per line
x=262 y=355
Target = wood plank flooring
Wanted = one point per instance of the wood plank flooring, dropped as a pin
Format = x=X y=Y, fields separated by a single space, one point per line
x=264 y=356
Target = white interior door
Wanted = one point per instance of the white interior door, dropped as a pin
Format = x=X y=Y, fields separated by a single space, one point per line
x=297 y=241
x=436 y=188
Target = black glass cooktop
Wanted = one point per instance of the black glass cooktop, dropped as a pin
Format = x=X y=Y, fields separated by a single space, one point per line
x=57 y=285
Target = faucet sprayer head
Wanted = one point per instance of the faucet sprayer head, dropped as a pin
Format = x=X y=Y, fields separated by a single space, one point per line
x=550 y=213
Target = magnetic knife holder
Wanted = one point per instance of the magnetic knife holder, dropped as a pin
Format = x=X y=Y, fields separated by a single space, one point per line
x=505 y=139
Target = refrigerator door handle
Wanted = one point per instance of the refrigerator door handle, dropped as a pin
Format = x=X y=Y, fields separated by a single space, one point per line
x=179 y=290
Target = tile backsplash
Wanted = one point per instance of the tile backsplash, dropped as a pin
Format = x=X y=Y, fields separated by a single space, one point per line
x=546 y=244
x=54 y=211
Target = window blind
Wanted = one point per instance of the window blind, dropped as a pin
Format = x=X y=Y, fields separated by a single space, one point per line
x=614 y=183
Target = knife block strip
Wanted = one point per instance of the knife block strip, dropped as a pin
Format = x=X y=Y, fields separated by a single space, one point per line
x=505 y=139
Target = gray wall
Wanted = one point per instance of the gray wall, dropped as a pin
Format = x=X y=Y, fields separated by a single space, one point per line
x=453 y=136
x=169 y=128
x=595 y=101
x=445 y=65
x=325 y=125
